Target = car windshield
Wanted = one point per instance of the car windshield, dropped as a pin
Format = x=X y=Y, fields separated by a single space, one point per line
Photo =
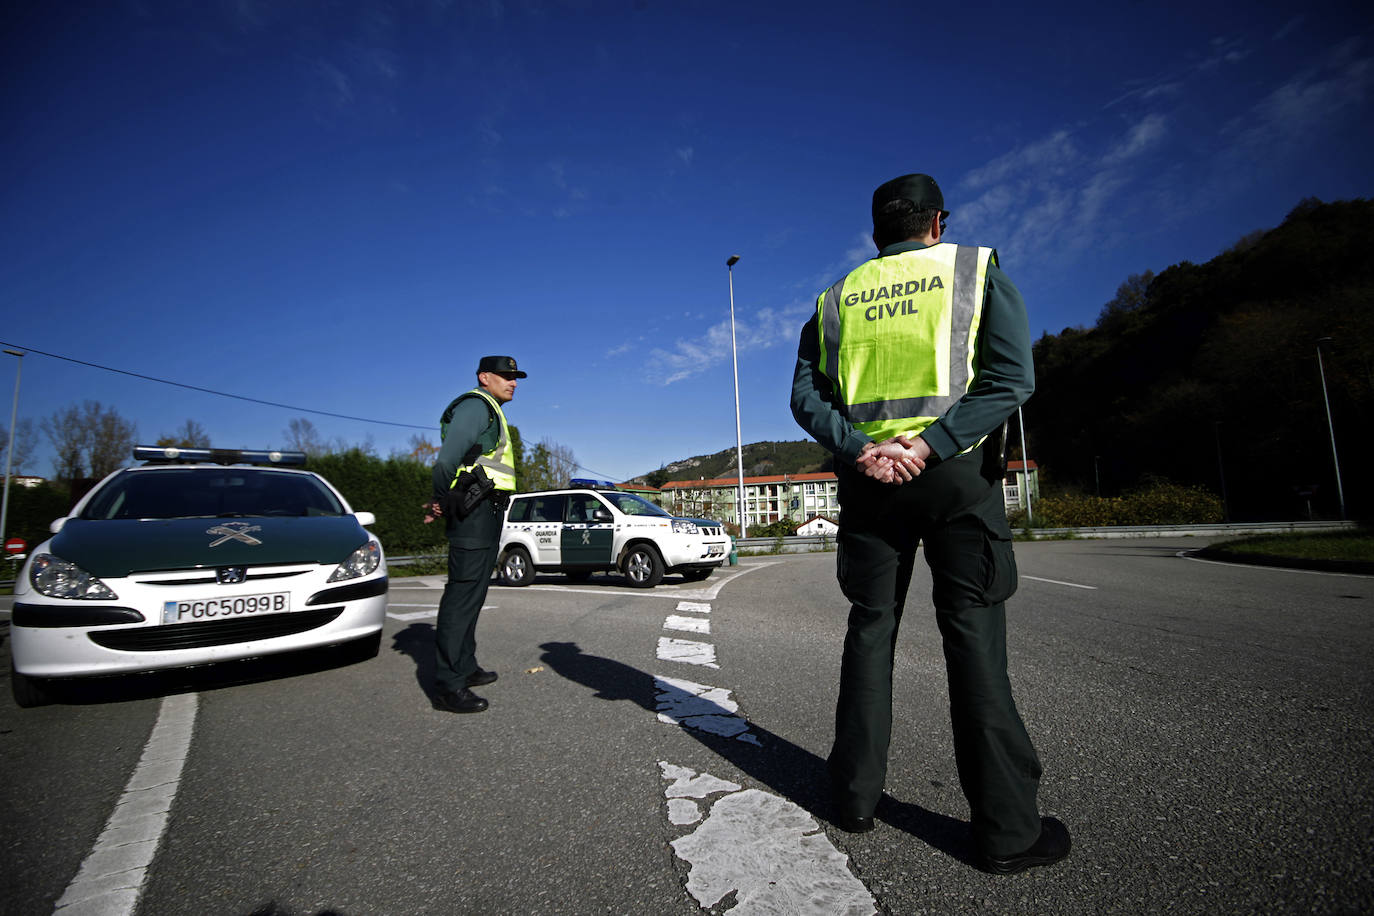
x=630 y=504
x=229 y=492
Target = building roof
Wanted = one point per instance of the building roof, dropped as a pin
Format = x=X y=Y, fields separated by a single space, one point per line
x=1022 y=465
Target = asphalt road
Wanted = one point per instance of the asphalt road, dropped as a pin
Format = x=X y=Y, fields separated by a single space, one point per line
x=1204 y=728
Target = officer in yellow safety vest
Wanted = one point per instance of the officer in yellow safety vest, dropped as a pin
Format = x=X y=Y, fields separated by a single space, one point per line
x=473 y=435
x=909 y=363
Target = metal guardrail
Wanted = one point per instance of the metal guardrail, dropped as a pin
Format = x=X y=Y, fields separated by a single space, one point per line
x=822 y=542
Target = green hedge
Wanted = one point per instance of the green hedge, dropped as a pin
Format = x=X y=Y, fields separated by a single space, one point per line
x=396 y=490
x=1158 y=504
x=32 y=509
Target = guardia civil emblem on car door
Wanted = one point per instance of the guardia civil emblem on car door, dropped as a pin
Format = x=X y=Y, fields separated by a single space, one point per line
x=234 y=531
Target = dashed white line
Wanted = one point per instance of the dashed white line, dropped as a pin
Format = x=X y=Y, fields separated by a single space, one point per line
x=111 y=878
x=687 y=650
x=766 y=850
x=702 y=707
x=688 y=624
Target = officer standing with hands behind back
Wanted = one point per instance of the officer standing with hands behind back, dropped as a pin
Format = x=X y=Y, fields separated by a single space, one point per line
x=474 y=475
x=910 y=362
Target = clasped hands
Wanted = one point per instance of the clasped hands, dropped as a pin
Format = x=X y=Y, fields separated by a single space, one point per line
x=894 y=460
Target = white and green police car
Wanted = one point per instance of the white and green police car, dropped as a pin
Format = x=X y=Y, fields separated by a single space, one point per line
x=592 y=526
x=196 y=556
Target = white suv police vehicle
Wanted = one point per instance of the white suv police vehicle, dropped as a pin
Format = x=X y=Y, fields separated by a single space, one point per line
x=592 y=526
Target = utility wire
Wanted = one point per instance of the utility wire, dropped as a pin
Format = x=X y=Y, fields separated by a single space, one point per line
x=223 y=394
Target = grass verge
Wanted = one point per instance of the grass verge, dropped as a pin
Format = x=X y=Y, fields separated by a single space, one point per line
x=1350 y=551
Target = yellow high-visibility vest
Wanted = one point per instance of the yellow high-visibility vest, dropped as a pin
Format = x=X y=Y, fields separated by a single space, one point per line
x=897 y=336
x=497 y=466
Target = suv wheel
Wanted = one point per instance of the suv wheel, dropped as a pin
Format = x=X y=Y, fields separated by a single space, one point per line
x=516 y=568
x=643 y=566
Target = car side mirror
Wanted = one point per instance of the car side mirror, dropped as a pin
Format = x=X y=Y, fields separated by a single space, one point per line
x=365 y=518
x=601 y=515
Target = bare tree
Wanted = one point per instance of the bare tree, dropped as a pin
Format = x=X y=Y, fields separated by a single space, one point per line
x=547 y=467
x=302 y=436
x=25 y=439
x=190 y=435
x=112 y=439
x=70 y=438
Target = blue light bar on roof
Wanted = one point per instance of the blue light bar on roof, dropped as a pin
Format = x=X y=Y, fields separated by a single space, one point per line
x=175 y=455
x=591 y=484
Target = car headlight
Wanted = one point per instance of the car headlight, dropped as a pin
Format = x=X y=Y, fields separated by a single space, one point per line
x=57 y=578
x=681 y=527
x=360 y=562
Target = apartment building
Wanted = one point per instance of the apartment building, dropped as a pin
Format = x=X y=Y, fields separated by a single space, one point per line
x=799 y=497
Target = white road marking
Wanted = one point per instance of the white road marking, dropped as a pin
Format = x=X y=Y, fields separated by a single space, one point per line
x=1311 y=572
x=765 y=849
x=694 y=607
x=687 y=786
x=686 y=650
x=432 y=612
x=699 y=706
x=1057 y=582
x=111 y=878
x=688 y=624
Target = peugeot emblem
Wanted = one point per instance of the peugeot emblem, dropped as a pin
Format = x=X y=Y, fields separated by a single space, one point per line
x=232 y=575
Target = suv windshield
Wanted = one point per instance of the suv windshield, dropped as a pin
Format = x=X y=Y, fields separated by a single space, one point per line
x=630 y=504
x=211 y=493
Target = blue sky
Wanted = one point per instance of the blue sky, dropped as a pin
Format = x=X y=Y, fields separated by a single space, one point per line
x=342 y=206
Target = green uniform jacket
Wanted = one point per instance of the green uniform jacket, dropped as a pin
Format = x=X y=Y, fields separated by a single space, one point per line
x=472 y=424
x=1003 y=378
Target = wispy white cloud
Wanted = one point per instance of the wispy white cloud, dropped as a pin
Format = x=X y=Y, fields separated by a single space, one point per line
x=686 y=154
x=1316 y=96
x=761 y=330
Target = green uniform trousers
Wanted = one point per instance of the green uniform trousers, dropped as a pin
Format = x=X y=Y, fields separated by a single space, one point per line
x=472 y=548
x=958 y=514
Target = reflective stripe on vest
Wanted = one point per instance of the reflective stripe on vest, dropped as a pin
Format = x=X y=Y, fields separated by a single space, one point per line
x=875 y=323
x=493 y=462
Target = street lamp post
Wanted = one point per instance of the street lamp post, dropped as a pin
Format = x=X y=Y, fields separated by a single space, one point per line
x=1340 y=493
x=9 y=451
x=1025 y=466
x=734 y=358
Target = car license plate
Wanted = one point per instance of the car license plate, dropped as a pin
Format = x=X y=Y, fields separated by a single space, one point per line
x=715 y=550
x=225 y=608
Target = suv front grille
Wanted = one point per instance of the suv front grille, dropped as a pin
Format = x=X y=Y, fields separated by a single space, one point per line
x=204 y=633
x=715 y=531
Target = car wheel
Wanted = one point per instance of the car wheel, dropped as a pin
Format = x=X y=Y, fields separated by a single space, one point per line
x=29 y=691
x=697 y=575
x=516 y=568
x=643 y=566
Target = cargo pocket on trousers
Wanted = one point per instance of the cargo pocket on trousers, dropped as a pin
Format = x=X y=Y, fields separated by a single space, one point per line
x=1000 y=563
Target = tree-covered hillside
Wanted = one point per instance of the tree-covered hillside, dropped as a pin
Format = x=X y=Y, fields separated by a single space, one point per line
x=760 y=458
x=1208 y=374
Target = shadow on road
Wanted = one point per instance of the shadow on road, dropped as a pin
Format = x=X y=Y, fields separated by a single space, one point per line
x=790 y=771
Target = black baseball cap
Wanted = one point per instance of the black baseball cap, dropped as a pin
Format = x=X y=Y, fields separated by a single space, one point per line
x=503 y=365
x=921 y=190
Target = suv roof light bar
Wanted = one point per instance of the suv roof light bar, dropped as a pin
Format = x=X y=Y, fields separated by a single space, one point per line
x=591 y=484
x=157 y=454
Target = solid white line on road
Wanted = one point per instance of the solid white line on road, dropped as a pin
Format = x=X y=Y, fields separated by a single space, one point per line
x=765 y=850
x=1311 y=572
x=111 y=878
x=421 y=615
x=688 y=624
x=695 y=607
x=686 y=650
x=1057 y=582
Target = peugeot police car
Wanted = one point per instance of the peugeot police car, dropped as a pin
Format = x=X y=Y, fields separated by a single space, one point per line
x=196 y=556
x=593 y=526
